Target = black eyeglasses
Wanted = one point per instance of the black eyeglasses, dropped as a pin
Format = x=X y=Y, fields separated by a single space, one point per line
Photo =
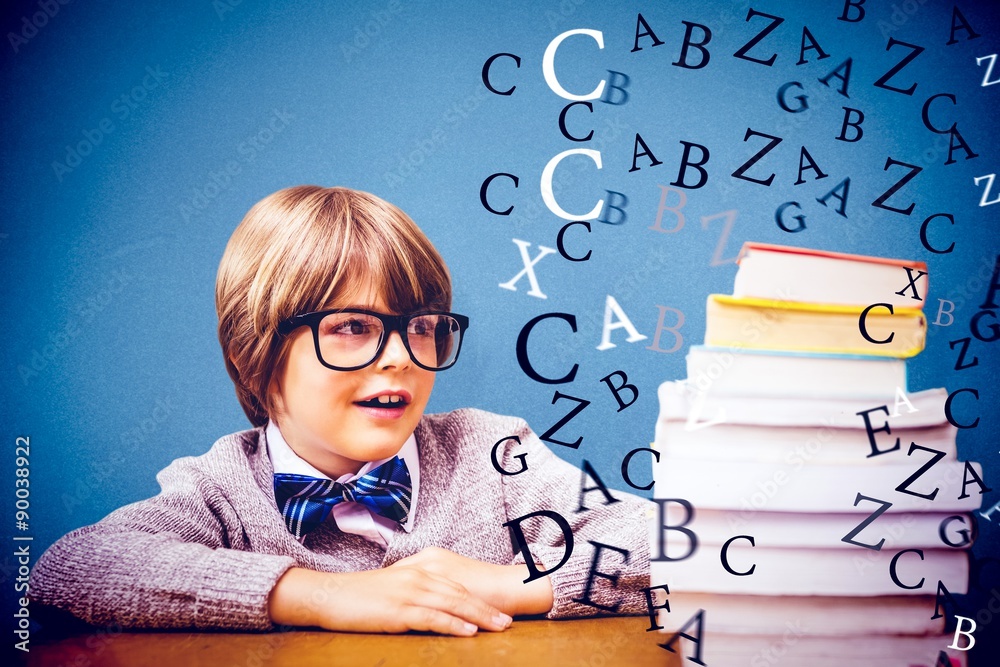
x=349 y=339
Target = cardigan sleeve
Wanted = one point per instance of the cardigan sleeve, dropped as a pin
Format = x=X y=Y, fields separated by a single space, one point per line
x=165 y=562
x=610 y=536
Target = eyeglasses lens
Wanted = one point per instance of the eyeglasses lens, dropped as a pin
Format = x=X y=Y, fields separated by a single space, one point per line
x=350 y=339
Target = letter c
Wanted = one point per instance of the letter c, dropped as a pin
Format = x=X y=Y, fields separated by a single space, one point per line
x=892 y=569
x=486 y=72
x=549 y=68
x=562 y=121
x=486 y=186
x=628 y=459
x=522 y=349
x=925 y=116
x=864 y=330
x=947 y=407
x=496 y=464
x=725 y=559
x=546 y=184
x=562 y=249
x=923 y=233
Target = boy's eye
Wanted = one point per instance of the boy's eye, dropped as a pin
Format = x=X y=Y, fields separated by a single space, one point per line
x=350 y=327
x=422 y=326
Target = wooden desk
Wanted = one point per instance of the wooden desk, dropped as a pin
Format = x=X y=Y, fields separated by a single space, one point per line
x=603 y=642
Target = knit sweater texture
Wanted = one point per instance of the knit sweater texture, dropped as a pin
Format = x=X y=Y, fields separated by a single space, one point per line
x=207 y=550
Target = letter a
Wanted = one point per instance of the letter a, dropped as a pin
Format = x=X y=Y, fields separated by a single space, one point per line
x=901 y=399
x=611 y=307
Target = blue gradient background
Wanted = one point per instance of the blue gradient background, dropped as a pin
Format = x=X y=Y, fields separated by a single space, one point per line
x=112 y=232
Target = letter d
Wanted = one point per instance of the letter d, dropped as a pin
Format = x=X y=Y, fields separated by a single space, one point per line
x=521 y=544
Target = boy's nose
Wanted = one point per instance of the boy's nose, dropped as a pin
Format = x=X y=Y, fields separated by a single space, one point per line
x=395 y=354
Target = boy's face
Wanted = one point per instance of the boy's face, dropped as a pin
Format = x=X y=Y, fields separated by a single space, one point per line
x=318 y=409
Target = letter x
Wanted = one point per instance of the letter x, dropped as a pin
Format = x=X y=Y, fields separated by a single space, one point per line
x=528 y=269
x=912 y=284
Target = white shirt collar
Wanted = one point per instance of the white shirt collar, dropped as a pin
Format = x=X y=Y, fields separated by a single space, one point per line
x=285 y=460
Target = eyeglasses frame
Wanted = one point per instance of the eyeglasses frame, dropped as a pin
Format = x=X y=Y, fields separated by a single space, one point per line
x=390 y=323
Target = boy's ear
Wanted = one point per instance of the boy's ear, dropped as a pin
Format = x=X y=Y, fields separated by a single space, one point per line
x=274 y=396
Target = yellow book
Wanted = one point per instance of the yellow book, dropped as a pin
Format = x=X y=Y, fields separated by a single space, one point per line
x=876 y=329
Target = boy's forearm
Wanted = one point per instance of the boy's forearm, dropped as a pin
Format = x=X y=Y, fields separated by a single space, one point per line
x=291 y=599
x=534 y=597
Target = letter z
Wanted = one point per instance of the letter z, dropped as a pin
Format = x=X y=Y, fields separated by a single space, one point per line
x=849 y=538
x=548 y=435
x=904 y=487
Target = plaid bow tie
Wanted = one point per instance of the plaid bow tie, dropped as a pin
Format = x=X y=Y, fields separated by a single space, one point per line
x=306 y=502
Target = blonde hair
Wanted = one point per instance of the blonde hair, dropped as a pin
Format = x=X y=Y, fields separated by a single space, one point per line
x=301 y=249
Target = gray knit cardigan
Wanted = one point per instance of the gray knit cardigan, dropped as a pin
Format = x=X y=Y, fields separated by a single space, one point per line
x=206 y=552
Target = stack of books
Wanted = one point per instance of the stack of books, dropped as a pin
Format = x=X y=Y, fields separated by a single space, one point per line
x=810 y=509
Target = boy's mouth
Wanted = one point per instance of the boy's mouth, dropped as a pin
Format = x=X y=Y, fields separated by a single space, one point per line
x=387 y=400
x=383 y=402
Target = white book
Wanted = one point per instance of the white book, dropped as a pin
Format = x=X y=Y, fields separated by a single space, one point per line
x=794 y=571
x=737 y=371
x=904 y=530
x=826 y=615
x=742 y=485
x=788 y=649
x=795 y=444
x=822 y=277
x=681 y=401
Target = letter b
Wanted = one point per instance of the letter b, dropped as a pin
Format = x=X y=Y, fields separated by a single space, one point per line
x=848 y=6
x=663 y=528
x=944 y=313
x=700 y=46
x=960 y=631
x=616 y=391
x=856 y=124
x=697 y=166
x=616 y=82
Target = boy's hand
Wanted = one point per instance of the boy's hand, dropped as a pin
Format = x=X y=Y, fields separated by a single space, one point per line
x=500 y=585
x=388 y=600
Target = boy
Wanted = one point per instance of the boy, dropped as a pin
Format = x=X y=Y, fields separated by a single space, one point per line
x=345 y=507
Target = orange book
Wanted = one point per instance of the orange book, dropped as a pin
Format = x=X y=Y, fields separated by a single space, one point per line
x=784 y=273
